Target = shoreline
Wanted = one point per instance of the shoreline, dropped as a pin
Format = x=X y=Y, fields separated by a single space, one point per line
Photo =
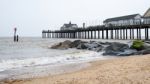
x=126 y=70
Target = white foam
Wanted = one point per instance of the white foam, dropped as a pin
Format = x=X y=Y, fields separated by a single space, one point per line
x=82 y=56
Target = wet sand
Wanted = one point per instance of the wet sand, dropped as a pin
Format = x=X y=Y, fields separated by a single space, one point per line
x=125 y=70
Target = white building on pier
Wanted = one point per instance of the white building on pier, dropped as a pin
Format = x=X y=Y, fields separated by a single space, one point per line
x=123 y=20
x=146 y=17
x=69 y=26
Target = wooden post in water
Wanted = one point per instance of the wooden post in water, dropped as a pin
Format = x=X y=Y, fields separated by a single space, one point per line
x=15 y=30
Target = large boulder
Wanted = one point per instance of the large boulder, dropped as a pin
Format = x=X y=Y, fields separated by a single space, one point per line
x=63 y=45
x=76 y=43
x=115 y=48
x=143 y=52
x=82 y=46
x=104 y=43
x=95 y=46
x=146 y=46
x=90 y=46
x=127 y=52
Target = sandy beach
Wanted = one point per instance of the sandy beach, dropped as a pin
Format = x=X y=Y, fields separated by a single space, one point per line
x=125 y=70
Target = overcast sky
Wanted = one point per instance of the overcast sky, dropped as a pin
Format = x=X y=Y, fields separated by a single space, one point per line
x=32 y=16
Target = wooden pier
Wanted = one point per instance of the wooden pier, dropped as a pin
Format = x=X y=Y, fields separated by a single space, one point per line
x=102 y=32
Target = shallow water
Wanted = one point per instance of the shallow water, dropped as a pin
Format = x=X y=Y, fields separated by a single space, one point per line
x=32 y=57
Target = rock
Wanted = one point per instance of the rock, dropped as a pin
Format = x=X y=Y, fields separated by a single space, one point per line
x=82 y=46
x=98 y=49
x=75 y=43
x=143 y=52
x=127 y=52
x=146 y=46
x=110 y=48
x=104 y=43
x=63 y=45
x=115 y=48
x=147 y=42
x=56 y=46
x=94 y=46
x=90 y=46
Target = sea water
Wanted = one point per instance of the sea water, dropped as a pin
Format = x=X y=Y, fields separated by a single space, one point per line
x=32 y=57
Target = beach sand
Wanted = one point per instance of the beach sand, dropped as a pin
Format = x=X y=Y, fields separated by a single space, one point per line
x=124 y=70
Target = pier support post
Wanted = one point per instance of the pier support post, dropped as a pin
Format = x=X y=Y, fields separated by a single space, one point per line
x=112 y=34
x=88 y=34
x=117 y=33
x=95 y=34
x=98 y=34
x=120 y=33
x=85 y=34
x=82 y=35
x=91 y=34
x=78 y=35
x=146 y=33
x=132 y=33
x=102 y=33
x=126 y=33
x=140 y=33
x=106 y=33
x=48 y=34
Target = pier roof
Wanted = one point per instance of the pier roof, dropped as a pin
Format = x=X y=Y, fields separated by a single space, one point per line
x=147 y=13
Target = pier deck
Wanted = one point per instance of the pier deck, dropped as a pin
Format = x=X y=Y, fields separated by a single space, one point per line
x=140 y=31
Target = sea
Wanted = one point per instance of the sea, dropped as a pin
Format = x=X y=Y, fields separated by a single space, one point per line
x=32 y=57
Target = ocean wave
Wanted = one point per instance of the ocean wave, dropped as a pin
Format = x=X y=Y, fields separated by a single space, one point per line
x=61 y=59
